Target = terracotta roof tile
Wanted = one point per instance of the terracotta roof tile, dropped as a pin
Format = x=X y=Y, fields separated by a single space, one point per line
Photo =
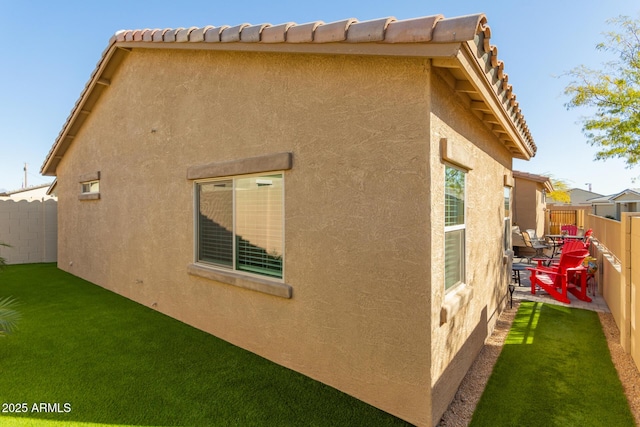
x=333 y=31
x=275 y=33
x=252 y=34
x=417 y=30
x=212 y=35
x=459 y=29
x=232 y=34
x=368 y=31
x=410 y=37
x=302 y=33
x=182 y=36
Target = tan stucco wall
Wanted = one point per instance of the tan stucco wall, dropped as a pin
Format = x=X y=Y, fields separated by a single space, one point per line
x=357 y=201
x=528 y=205
x=364 y=212
x=456 y=343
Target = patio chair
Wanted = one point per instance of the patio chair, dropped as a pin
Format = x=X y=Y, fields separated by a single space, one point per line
x=572 y=230
x=559 y=279
x=569 y=246
x=537 y=245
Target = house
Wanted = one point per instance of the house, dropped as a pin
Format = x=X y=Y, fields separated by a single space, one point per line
x=529 y=201
x=577 y=196
x=614 y=205
x=330 y=196
x=37 y=192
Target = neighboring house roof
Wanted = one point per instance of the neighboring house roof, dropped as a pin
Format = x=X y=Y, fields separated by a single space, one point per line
x=544 y=180
x=30 y=193
x=601 y=200
x=459 y=44
x=634 y=192
x=612 y=199
x=23 y=190
x=578 y=196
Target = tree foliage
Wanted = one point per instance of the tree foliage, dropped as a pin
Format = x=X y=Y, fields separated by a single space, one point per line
x=614 y=92
x=9 y=316
x=560 y=191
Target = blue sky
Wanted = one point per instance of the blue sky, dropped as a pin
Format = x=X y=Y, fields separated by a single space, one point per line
x=51 y=47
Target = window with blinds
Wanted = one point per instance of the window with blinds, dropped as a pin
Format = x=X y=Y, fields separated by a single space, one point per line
x=240 y=224
x=454 y=230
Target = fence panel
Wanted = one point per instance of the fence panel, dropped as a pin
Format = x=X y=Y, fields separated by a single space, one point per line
x=558 y=218
x=31 y=228
x=635 y=289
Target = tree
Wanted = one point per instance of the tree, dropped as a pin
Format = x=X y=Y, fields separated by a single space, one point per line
x=560 y=191
x=9 y=317
x=614 y=92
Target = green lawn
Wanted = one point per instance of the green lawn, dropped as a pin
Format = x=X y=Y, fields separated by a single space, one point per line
x=85 y=356
x=554 y=370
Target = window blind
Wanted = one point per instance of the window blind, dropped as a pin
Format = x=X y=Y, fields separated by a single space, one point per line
x=259 y=218
x=215 y=222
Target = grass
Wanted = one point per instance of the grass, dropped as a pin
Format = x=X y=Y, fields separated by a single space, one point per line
x=95 y=358
x=554 y=370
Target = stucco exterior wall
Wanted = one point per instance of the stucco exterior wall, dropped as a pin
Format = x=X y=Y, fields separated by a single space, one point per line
x=456 y=343
x=528 y=205
x=31 y=228
x=357 y=203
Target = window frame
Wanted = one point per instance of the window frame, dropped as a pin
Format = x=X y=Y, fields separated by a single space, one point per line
x=91 y=185
x=462 y=256
x=508 y=207
x=233 y=268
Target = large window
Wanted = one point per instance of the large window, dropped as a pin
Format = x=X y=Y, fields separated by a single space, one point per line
x=454 y=230
x=240 y=224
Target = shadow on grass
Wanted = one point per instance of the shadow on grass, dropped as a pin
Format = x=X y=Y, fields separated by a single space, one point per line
x=554 y=370
x=111 y=361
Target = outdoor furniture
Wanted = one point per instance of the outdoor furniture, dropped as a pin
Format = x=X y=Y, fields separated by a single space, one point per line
x=568 y=275
x=570 y=230
x=536 y=245
x=515 y=273
x=559 y=240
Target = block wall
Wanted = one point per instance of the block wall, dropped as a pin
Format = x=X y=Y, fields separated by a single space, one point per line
x=31 y=228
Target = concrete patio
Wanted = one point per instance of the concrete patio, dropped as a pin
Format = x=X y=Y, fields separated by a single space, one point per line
x=523 y=292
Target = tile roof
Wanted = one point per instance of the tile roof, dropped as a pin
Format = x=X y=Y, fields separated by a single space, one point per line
x=543 y=179
x=459 y=45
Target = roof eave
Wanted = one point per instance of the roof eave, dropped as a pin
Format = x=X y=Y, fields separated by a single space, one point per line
x=459 y=44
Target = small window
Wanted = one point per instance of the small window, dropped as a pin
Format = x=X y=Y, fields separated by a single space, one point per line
x=240 y=224
x=91 y=187
x=455 y=227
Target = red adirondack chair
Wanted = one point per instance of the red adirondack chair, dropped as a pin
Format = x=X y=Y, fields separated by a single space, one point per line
x=571 y=230
x=561 y=278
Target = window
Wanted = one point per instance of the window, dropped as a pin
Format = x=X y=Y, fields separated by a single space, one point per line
x=454 y=230
x=90 y=187
x=507 y=218
x=240 y=224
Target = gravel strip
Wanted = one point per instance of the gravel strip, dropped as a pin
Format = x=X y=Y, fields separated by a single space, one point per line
x=464 y=403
